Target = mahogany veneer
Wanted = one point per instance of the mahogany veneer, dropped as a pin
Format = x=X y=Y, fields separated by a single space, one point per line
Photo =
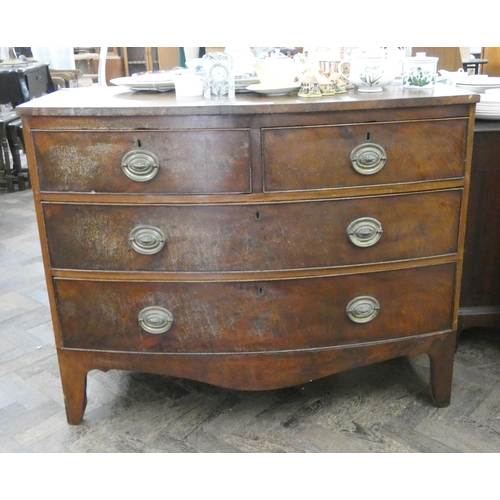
x=256 y=243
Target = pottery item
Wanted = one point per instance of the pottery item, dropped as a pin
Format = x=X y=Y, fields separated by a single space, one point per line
x=276 y=72
x=451 y=77
x=188 y=84
x=419 y=72
x=195 y=65
x=371 y=69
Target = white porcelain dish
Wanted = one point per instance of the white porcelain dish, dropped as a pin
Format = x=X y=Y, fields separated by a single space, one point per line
x=491 y=96
x=242 y=82
x=488 y=108
x=479 y=84
x=273 y=92
x=146 y=82
x=482 y=116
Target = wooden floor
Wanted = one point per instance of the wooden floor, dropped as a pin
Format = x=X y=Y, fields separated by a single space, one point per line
x=380 y=408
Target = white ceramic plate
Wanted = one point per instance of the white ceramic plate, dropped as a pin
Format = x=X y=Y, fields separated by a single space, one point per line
x=241 y=83
x=479 y=84
x=149 y=83
x=261 y=89
x=489 y=100
x=488 y=105
x=487 y=111
x=488 y=117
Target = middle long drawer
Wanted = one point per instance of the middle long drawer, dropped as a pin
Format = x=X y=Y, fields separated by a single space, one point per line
x=274 y=236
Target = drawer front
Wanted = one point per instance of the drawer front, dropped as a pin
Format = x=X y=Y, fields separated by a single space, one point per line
x=252 y=237
x=310 y=158
x=254 y=316
x=178 y=162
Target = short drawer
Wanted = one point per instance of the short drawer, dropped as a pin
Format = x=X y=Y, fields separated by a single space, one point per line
x=254 y=316
x=313 y=234
x=327 y=157
x=178 y=162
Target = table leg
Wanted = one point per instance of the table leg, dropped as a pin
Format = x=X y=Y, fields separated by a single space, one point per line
x=6 y=165
x=15 y=147
x=74 y=382
x=441 y=356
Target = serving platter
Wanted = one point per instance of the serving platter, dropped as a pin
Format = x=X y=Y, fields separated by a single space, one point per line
x=479 y=83
x=242 y=82
x=273 y=92
x=150 y=81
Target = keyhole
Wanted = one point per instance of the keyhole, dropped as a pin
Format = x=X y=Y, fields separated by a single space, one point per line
x=261 y=290
x=139 y=143
x=257 y=215
x=368 y=135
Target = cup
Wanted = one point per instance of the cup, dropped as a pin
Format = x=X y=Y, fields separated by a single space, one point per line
x=195 y=65
x=188 y=84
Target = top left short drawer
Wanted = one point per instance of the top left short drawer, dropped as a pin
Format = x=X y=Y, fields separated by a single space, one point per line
x=201 y=161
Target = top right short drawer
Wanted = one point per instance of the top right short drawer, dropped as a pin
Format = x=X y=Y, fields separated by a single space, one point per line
x=351 y=155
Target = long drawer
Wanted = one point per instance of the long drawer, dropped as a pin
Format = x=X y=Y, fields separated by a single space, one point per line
x=339 y=156
x=311 y=234
x=254 y=316
x=183 y=161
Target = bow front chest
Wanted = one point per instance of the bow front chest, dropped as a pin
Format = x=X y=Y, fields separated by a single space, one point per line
x=254 y=243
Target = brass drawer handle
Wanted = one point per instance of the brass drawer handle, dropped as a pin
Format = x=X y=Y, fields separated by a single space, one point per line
x=155 y=320
x=147 y=240
x=368 y=158
x=362 y=309
x=140 y=165
x=364 y=232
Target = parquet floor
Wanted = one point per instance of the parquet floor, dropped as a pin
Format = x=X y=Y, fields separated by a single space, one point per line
x=380 y=408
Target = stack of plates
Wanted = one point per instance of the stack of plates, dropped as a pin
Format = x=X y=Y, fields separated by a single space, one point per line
x=488 y=108
x=479 y=83
x=163 y=81
x=241 y=82
x=156 y=81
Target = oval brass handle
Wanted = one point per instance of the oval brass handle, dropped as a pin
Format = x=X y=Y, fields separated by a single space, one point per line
x=140 y=165
x=368 y=158
x=365 y=231
x=362 y=309
x=147 y=240
x=156 y=319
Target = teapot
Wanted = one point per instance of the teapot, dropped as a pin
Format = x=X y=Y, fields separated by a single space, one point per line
x=372 y=69
x=276 y=71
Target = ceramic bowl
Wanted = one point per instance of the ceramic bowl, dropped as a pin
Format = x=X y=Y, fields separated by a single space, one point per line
x=371 y=73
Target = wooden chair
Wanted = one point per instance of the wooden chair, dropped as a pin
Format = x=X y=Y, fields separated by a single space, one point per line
x=70 y=78
x=62 y=62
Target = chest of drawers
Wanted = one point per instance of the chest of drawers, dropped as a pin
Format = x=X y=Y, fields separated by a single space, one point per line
x=253 y=244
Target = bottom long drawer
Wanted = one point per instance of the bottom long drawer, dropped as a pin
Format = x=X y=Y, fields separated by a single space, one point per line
x=199 y=317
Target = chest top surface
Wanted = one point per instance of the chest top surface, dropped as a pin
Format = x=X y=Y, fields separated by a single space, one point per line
x=115 y=101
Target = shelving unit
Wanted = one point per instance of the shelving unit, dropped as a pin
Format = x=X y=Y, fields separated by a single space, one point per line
x=138 y=59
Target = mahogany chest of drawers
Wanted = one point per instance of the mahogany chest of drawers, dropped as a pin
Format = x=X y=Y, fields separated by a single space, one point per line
x=253 y=244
